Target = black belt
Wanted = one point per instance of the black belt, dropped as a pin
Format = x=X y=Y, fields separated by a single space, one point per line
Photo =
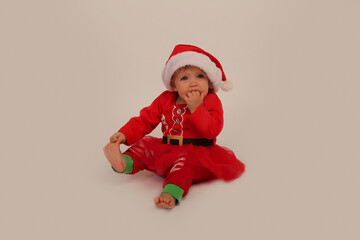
x=179 y=140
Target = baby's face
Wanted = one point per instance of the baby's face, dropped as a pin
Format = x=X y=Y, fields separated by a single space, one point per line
x=191 y=79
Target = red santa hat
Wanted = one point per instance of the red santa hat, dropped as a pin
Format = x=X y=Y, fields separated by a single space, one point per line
x=184 y=55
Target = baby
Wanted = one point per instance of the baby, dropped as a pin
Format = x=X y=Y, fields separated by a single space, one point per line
x=191 y=115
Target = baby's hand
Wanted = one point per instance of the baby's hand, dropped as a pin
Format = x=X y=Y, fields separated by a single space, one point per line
x=118 y=138
x=194 y=99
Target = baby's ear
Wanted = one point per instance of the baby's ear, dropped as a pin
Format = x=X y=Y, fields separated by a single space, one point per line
x=172 y=84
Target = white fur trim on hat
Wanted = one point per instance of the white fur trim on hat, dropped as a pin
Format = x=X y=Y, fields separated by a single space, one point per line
x=194 y=59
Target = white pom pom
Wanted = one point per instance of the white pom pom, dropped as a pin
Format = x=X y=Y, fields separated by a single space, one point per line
x=226 y=85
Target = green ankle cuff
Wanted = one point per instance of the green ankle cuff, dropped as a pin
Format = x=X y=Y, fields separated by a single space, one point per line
x=174 y=191
x=129 y=163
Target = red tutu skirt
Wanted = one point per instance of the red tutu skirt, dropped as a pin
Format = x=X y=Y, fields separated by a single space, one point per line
x=161 y=158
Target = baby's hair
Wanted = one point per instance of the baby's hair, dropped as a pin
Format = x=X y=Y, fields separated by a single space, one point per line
x=179 y=70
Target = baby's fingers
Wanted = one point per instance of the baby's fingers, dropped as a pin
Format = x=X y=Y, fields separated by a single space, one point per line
x=191 y=94
x=114 y=139
x=196 y=93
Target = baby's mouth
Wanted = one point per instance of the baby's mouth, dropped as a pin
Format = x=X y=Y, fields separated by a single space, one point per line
x=194 y=90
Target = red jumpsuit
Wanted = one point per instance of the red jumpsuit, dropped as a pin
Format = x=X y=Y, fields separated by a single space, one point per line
x=180 y=165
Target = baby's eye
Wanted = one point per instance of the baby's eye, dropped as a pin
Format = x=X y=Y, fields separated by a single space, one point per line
x=200 y=76
x=184 y=78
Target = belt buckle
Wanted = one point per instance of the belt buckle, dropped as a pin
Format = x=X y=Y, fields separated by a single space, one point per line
x=176 y=137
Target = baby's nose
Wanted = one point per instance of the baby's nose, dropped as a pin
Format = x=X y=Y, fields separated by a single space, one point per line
x=193 y=82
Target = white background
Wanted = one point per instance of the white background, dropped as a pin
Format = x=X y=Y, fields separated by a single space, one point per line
x=73 y=72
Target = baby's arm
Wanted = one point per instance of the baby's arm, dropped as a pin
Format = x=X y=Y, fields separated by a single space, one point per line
x=207 y=119
x=139 y=126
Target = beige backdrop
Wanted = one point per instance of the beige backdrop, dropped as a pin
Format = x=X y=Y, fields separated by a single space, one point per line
x=73 y=72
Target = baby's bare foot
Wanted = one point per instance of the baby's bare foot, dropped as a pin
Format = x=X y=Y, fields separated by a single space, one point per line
x=115 y=157
x=165 y=201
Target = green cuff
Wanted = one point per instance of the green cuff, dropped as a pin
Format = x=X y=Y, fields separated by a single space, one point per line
x=174 y=191
x=129 y=163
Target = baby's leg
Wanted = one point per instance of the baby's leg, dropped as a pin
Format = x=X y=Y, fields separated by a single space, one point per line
x=115 y=157
x=172 y=193
x=177 y=184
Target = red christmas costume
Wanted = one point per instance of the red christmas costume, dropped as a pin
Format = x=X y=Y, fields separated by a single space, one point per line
x=181 y=165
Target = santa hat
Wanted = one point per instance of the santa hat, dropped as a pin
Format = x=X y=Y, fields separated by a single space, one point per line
x=184 y=55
